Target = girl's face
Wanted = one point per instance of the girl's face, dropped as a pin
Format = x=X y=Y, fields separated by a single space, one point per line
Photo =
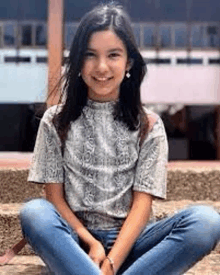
x=105 y=65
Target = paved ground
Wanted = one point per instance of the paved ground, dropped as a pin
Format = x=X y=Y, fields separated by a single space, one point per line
x=25 y=265
x=195 y=164
x=15 y=160
x=32 y=265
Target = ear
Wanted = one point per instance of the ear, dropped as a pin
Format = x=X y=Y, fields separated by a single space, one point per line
x=129 y=64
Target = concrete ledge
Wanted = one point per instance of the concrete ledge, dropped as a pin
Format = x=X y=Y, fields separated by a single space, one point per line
x=10 y=227
x=11 y=231
x=15 y=188
x=193 y=184
x=26 y=265
x=184 y=182
x=193 y=180
x=16 y=160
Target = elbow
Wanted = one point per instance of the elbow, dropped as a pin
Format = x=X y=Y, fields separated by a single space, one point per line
x=142 y=204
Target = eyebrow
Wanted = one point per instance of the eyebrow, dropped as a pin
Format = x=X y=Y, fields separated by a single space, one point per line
x=111 y=50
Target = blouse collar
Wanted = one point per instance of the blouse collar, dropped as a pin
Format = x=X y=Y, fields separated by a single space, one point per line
x=97 y=105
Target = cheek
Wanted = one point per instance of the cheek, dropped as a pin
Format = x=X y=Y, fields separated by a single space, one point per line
x=121 y=71
x=86 y=68
x=85 y=73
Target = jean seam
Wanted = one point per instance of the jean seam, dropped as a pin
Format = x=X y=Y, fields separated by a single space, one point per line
x=144 y=235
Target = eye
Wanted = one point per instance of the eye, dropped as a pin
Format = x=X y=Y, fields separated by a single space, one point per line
x=89 y=54
x=114 y=55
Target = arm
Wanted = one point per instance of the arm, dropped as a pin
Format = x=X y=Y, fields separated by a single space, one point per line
x=150 y=181
x=47 y=167
x=55 y=194
x=131 y=229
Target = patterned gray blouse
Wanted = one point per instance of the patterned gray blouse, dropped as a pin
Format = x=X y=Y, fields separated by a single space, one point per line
x=102 y=164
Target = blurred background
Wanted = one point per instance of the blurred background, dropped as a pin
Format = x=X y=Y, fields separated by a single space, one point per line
x=179 y=40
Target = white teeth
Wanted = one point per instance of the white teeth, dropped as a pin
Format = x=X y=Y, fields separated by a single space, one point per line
x=101 y=78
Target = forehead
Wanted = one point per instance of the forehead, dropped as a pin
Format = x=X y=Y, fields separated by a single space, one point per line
x=104 y=40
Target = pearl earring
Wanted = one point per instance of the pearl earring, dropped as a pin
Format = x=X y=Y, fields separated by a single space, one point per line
x=128 y=75
x=79 y=74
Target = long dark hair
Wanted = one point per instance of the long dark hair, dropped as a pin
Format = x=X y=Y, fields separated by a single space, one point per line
x=129 y=109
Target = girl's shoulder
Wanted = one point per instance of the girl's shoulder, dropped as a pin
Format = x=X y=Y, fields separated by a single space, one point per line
x=50 y=113
x=152 y=117
x=156 y=126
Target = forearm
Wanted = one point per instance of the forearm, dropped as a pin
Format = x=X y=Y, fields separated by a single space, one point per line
x=54 y=194
x=132 y=227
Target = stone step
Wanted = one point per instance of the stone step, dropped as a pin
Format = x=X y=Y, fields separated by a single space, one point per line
x=193 y=183
x=193 y=180
x=26 y=265
x=16 y=160
x=33 y=265
x=15 y=188
x=11 y=231
x=188 y=183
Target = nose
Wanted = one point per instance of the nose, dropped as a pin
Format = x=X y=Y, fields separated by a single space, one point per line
x=102 y=65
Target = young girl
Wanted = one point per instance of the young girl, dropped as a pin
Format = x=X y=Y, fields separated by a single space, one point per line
x=102 y=157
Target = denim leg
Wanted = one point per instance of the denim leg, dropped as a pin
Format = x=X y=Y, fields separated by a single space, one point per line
x=53 y=240
x=106 y=237
x=173 y=245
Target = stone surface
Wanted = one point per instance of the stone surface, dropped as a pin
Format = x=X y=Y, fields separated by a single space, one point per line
x=162 y=208
x=210 y=265
x=10 y=231
x=15 y=188
x=193 y=184
x=33 y=265
x=188 y=183
x=25 y=265
x=193 y=181
x=15 y=160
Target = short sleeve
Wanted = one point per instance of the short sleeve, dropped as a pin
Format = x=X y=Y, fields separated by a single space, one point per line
x=47 y=161
x=151 y=169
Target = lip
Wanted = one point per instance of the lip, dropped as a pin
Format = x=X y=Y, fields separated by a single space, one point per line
x=102 y=79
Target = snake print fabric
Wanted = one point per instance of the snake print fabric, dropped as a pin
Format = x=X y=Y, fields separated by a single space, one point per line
x=102 y=164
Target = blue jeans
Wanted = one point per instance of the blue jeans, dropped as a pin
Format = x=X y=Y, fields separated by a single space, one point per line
x=169 y=246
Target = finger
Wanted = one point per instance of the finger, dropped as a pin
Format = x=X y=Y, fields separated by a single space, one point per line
x=97 y=262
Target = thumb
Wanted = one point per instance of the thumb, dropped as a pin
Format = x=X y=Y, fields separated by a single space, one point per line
x=96 y=261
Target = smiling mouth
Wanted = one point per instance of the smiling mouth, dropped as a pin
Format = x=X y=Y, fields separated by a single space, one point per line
x=102 y=79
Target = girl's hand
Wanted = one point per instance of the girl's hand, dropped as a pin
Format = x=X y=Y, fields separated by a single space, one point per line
x=106 y=268
x=97 y=253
